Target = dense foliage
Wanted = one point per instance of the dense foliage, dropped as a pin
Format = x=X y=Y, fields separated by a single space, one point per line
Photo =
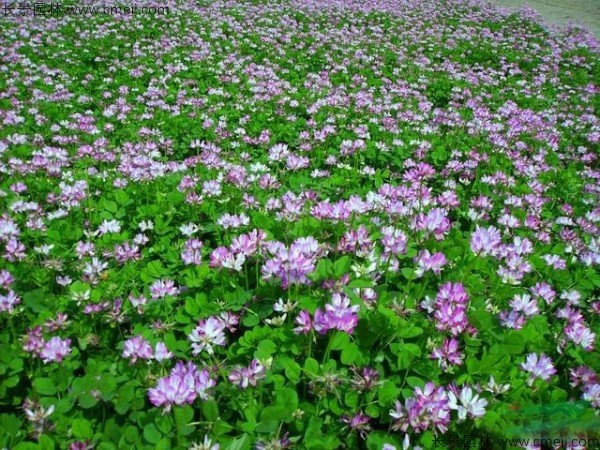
x=297 y=224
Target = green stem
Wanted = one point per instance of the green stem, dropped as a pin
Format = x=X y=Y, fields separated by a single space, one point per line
x=328 y=349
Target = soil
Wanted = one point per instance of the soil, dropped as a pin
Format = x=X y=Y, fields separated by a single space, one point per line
x=584 y=13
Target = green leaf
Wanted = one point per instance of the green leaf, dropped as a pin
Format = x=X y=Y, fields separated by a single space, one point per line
x=558 y=395
x=311 y=366
x=339 y=341
x=192 y=307
x=351 y=354
x=287 y=398
x=44 y=386
x=274 y=413
x=155 y=269
x=110 y=206
x=406 y=353
x=210 y=410
x=387 y=393
x=240 y=443
x=151 y=434
x=164 y=444
x=360 y=284
x=341 y=266
x=87 y=401
x=513 y=344
x=408 y=273
x=414 y=382
x=26 y=446
x=409 y=332
x=184 y=415
x=131 y=435
x=323 y=270
x=265 y=349
x=291 y=368
x=46 y=443
x=81 y=429
x=251 y=320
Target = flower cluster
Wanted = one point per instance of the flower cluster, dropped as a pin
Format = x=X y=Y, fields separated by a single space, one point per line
x=451 y=304
x=337 y=315
x=184 y=384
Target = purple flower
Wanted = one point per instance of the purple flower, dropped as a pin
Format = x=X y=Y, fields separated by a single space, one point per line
x=191 y=253
x=137 y=347
x=291 y=265
x=55 y=349
x=583 y=375
x=161 y=352
x=428 y=408
x=338 y=315
x=304 y=322
x=33 y=341
x=435 y=221
x=243 y=377
x=544 y=291
x=426 y=261
x=183 y=385
x=222 y=257
x=579 y=334
x=9 y=301
x=365 y=379
x=359 y=422
x=6 y=279
x=162 y=288
x=209 y=332
x=448 y=354
x=592 y=394
x=485 y=241
x=14 y=250
x=538 y=367
x=451 y=309
x=394 y=241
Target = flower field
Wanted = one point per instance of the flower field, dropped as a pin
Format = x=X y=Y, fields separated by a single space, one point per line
x=304 y=224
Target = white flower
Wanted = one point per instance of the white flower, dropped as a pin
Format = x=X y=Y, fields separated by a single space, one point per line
x=44 y=249
x=109 y=226
x=276 y=321
x=188 y=229
x=161 y=352
x=469 y=404
x=146 y=225
x=284 y=307
x=494 y=388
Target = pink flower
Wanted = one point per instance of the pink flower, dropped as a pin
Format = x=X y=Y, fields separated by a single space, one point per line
x=579 y=334
x=191 y=253
x=338 y=315
x=592 y=395
x=137 y=347
x=538 y=367
x=55 y=349
x=485 y=241
x=426 y=261
x=162 y=288
x=209 y=332
x=243 y=377
x=304 y=323
x=428 y=408
x=183 y=385
x=448 y=354
x=9 y=301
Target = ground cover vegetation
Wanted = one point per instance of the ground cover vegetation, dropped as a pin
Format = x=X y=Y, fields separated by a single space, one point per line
x=297 y=224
